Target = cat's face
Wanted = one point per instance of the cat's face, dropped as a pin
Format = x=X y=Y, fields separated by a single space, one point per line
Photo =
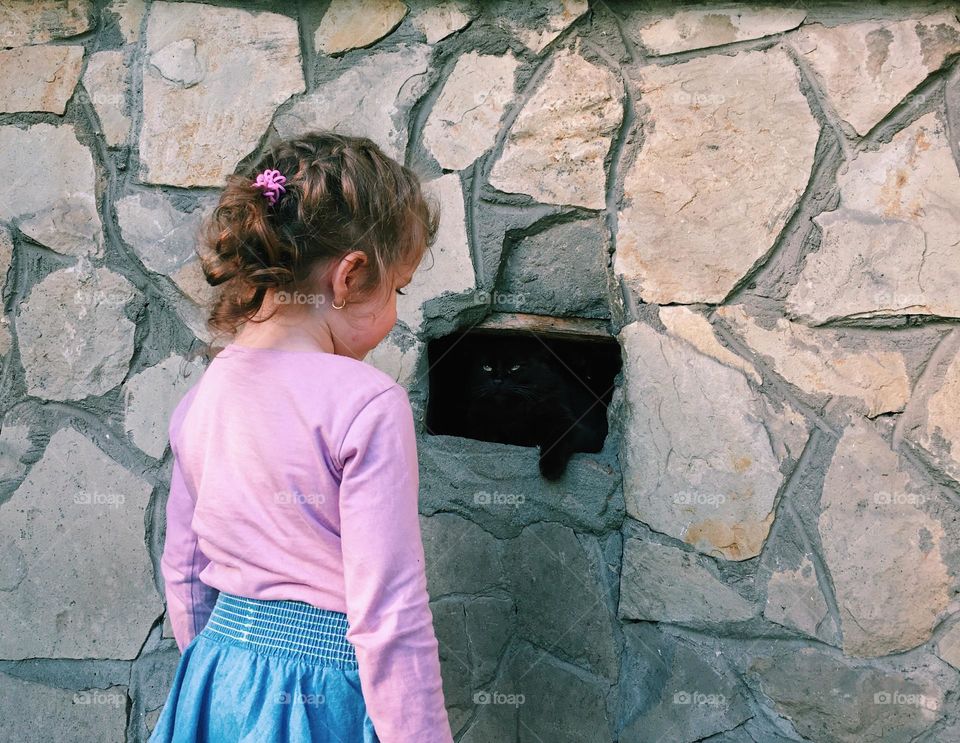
x=509 y=371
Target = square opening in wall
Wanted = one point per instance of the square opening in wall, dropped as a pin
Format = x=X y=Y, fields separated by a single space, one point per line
x=526 y=380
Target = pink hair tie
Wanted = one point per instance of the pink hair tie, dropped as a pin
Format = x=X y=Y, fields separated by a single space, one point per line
x=271 y=181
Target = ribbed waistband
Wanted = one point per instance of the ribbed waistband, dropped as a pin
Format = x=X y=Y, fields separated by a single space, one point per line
x=283 y=627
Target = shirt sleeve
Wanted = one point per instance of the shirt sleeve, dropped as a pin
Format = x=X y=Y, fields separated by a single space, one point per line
x=388 y=611
x=189 y=600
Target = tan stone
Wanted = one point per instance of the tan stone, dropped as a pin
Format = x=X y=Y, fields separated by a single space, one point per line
x=682 y=30
x=447 y=267
x=891 y=247
x=868 y=68
x=718 y=176
x=393 y=81
x=212 y=79
x=438 y=20
x=538 y=23
x=697 y=451
x=39 y=21
x=349 y=24
x=695 y=329
x=821 y=362
x=465 y=119
x=556 y=147
x=129 y=14
x=38 y=78
x=883 y=551
x=107 y=81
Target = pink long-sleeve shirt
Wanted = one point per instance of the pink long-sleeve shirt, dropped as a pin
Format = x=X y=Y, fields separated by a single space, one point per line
x=295 y=477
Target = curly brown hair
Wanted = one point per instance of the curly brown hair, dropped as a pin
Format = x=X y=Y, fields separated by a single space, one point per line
x=342 y=193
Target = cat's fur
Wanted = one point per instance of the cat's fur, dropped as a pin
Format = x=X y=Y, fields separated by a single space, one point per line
x=519 y=392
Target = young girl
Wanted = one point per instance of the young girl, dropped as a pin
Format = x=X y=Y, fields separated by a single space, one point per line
x=293 y=560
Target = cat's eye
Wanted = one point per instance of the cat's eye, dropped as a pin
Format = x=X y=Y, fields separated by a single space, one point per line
x=487 y=367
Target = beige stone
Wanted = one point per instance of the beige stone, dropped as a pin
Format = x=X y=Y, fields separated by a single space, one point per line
x=39 y=21
x=438 y=20
x=883 y=551
x=78 y=516
x=821 y=362
x=61 y=715
x=718 y=175
x=447 y=267
x=70 y=225
x=538 y=23
x=794 y=599
x=6 y=259
x=465 y=119
x=38 y=78
x=682 y=30
x=692 y=327
x=349 y=24
x=129 y=15
x=212 y=79
x=556 y=147
x=891 y=247
x=107 y=81
x=948 y=647
x=393 y=81
x=868 y=68
x=698 y=460
x=391 y=358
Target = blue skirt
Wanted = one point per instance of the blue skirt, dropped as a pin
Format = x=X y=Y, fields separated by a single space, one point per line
x=264 y=672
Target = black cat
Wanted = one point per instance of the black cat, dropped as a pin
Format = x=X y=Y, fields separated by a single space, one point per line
x=521 y=393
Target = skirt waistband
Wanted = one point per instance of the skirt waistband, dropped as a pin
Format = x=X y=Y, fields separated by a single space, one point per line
x=285 y=627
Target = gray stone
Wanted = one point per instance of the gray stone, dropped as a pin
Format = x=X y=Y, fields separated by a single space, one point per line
x=490 y=623
x=718 y=176
x=538 y=23
x=698 y=460
x=891 y=247
x=437 y=20
x=671 y=692
x=6 y=259
x=883 y=551
x=536 y=271
x=794 y=599
x=32 y=713
x=55 y=182
x=681 y=30
x=74 y=338
x=150 y=397
x=393 y=82
x=892 y=58
x=831 y=699
x=948 y=646
x=248 y=64
x=164 y=238
x=460 y=556
x=447 y=268
x=822 y=363
x=39 y=78
x=556 y=147
x=561 y=603
x=390 y=357
x=465 y=118
x=348 y=24
x=14 y=443
x=77 y=517
x=39 y=21
x=106 y=80
x=932 y=420
x=666 y=584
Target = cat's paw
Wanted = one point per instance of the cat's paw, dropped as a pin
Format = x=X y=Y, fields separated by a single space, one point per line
x=552 y=466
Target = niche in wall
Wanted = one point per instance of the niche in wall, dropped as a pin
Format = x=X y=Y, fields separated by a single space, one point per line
x=527 y=380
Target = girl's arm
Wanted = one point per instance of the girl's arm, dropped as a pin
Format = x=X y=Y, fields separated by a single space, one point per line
x=189 y=600
x=388 y=613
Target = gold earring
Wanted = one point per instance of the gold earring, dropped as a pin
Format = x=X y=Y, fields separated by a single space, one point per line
x=334 y=305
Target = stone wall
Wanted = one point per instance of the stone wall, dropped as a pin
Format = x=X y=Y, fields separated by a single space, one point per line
x=763 y=202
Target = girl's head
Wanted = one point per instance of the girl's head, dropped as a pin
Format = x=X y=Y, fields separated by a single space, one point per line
x=349 y=230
